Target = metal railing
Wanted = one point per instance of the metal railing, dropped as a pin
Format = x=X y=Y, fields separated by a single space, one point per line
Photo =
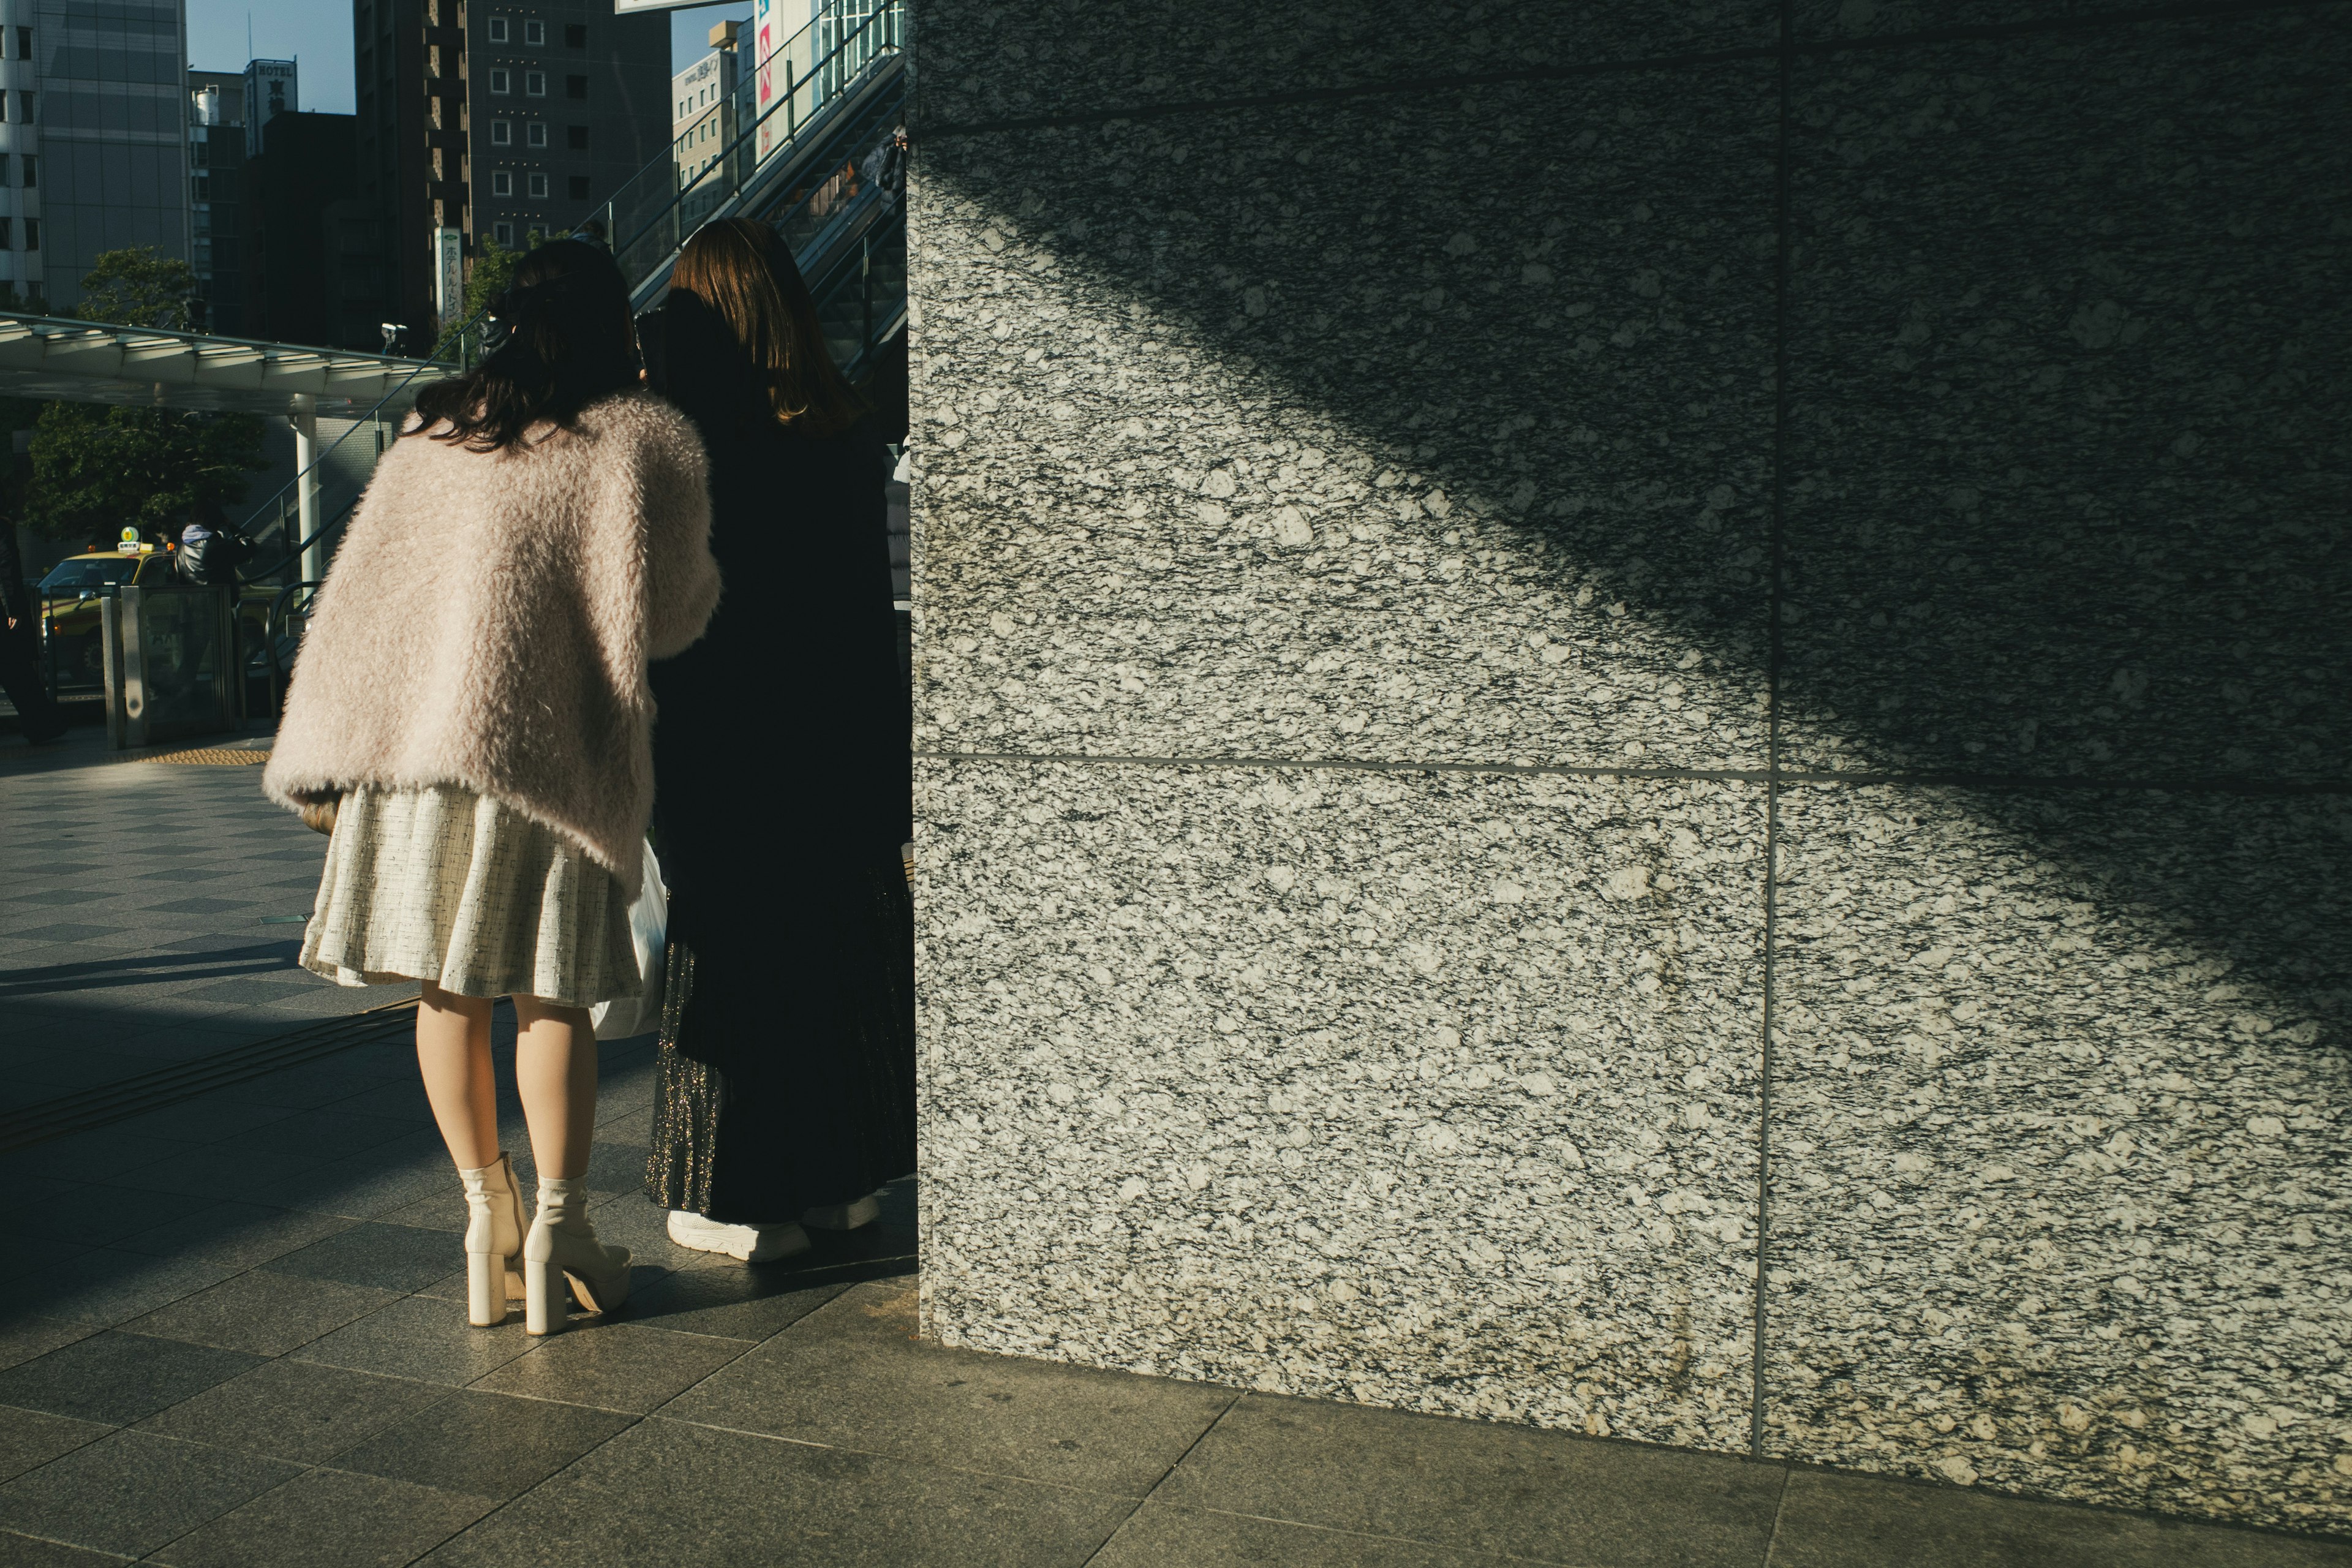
x=786 y=102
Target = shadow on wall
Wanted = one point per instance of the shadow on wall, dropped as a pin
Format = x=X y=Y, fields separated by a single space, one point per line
x=1450 y=428
x=2064 y=450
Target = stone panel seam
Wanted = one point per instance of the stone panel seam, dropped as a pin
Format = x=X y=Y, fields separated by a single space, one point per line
x=1775 y=583
x=1153 y=1490
x=2190 y=784
x=2184 y=10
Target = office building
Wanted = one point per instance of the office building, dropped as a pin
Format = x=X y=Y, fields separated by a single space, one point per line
x=21 y=271
x=94 y=133
x=218 y=131
x=702 y=104
x=316 y=268
x=491 y=122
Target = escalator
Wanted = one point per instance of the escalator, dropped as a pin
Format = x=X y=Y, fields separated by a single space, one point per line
x=809 y=134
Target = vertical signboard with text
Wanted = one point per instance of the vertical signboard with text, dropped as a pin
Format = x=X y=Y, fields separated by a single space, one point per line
x=449 y=276
x=769 y=31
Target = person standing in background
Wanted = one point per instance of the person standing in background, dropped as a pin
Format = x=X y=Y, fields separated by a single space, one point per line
x=786 y=1066
x=20 y=657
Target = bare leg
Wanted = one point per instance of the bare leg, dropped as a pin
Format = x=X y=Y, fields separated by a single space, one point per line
x=453 y=1051
x=555 y=1069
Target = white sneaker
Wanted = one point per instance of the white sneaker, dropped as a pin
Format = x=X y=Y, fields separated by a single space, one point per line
x=752 y=1243
x=846 y=1217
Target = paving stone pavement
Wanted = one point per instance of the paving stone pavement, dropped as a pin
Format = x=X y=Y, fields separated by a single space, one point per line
x=236 y=1330
x=149 y=914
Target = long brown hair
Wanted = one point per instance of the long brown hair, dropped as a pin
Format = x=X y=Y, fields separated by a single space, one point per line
x=744 y=273
x=568 y=342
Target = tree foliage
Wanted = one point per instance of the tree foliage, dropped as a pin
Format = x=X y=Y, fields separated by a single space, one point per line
x=493 y=270
x=139 y=287
x=98 y=469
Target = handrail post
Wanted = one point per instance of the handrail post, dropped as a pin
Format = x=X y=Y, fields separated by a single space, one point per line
x=304 y=417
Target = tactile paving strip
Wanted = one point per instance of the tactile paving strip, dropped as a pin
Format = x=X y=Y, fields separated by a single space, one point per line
x=118 y=1102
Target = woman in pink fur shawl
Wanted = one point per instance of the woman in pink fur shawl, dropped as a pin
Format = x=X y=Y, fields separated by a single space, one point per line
x=472 y=701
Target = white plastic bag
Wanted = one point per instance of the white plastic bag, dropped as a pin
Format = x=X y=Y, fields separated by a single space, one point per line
x=625 y=1017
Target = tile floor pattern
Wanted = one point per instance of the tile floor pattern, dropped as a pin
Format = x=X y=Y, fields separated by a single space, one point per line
x=237 y=1338
x=233 y=1334
x=149 y=914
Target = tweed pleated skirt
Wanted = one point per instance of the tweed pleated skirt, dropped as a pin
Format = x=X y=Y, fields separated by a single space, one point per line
x=444 y=885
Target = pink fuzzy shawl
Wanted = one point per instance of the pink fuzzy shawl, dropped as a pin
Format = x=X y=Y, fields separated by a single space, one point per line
x=487 y=619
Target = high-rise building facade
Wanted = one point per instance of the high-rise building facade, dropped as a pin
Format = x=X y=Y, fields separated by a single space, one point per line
x=94 y=129
x=571 y=103
x=314 y=272
x=21 y=256
x=702 y=104
x=485 y=120
x=271 y=89
x=218 y=196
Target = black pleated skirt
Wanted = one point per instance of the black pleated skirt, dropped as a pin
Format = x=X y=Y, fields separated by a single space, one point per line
x=786 y=1065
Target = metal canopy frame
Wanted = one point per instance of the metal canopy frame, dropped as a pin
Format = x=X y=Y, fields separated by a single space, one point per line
x=150 y=367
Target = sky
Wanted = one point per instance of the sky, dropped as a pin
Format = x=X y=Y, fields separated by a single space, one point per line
x=318 y=34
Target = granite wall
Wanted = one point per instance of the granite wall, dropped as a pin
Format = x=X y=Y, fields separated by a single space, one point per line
x=1632 y=718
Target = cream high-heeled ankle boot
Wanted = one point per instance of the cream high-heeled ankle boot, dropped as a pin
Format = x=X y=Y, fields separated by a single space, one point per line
x=493 y=1242
x=562 y=1246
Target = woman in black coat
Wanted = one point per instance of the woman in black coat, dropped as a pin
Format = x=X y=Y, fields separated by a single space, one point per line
x=782 y=792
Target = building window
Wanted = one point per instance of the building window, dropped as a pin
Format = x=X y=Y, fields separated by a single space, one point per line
x=535 y=83
x=32 y=231
x=534 y=32
x=539 y=185
x=32 y=175
x=538 y=134
x=579 y=187
x=575 y=136
x=501 y=81
x=538 y=233
x=575 y=86
x=504 y=234
x=7 y=234
x=200 y=187
x=24 y=106
x=575 y=34
x=498 y=30
x=22 y=37
x=501 y=133
x=501 y=182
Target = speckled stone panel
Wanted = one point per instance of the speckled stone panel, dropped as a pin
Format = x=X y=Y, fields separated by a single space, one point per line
x=1233 y=441
x=987 y=64
x=1879 y=21
x=2062 y=1169
x=1436 y=1091
x=2069 y=357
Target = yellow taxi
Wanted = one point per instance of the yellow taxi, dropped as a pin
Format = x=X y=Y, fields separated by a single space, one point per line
x=71 y=591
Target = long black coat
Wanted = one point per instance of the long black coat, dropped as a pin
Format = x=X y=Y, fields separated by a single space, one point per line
x=781 y=793
x=780 y=740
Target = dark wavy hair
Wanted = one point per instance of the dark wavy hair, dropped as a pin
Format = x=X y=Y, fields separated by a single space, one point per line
x=568 y=340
